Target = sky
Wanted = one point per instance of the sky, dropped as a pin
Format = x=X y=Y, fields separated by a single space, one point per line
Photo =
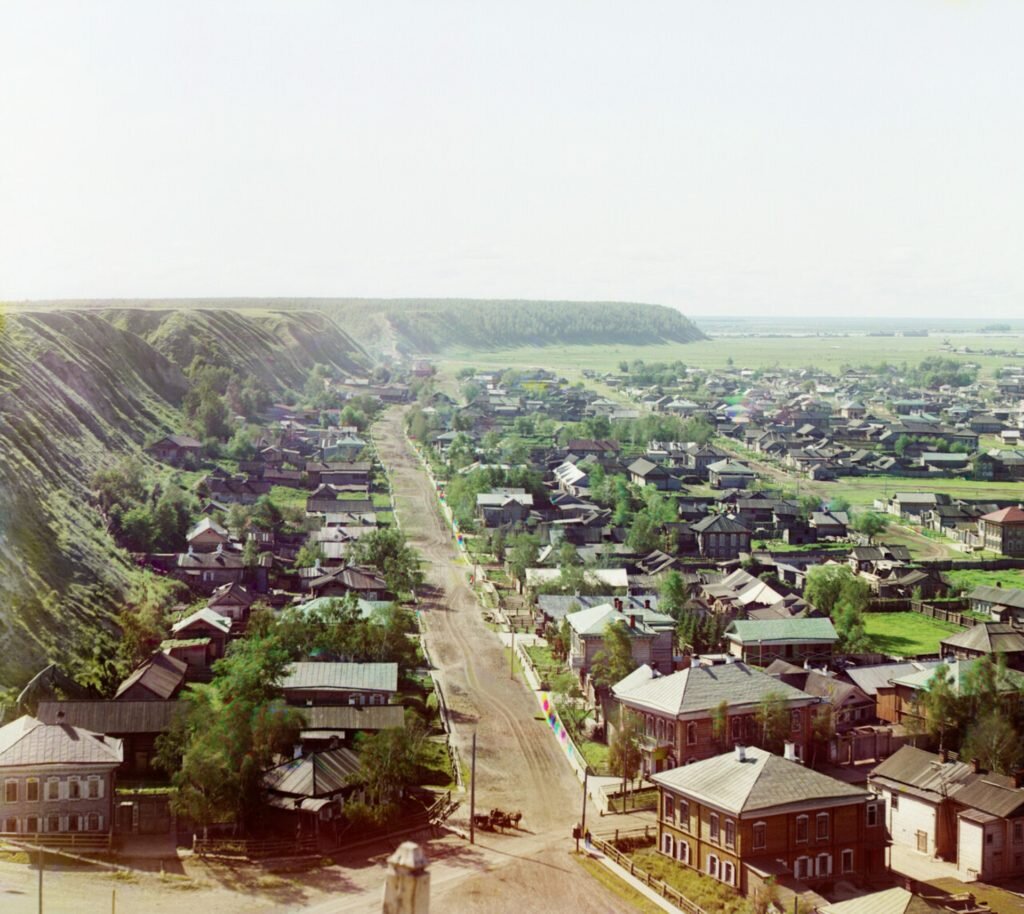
x=724 y=158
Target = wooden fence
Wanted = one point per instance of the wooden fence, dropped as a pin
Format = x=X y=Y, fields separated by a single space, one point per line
x=255 y=848
x=79 y=841
x=663 y=889
x=953 y=613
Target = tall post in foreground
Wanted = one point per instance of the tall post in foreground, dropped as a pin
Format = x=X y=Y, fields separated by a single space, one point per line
x=512 y=654
x=407 y=887
x=42 y=860
x=472 y=794
x=583 y=822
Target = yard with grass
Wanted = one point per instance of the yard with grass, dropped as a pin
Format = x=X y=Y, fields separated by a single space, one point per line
x=709 y=893
x=970 y=578
x=906 y=634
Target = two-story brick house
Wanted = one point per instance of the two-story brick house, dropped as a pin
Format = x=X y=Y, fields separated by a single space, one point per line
x=740 y=816
x=56 y=779
x=679 y=712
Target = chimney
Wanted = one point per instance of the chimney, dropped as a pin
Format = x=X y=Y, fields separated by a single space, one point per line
x=976 y=765
x=789 y=751
x=632 y=620
x=647 y=604
x=1018 y=779
x=943 y=755
x=60 y=716
x=618 y=604
x=741 y=753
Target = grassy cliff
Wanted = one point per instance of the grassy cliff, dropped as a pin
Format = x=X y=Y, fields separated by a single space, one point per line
x=78 y=390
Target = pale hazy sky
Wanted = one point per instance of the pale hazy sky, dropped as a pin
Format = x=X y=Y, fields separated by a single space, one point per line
x=721 y=157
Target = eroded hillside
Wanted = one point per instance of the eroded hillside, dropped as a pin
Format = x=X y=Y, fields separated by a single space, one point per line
x=77 y=391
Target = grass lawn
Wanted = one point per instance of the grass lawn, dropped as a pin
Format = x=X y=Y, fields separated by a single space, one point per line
x=975 y=577
x=638 y=799
x=611 y=882
x=287 y=497
x=596 y=755
x=906 y=634
x=708 y=893
x=862 y=490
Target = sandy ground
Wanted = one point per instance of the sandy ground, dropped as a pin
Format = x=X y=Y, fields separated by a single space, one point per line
x=519 y=766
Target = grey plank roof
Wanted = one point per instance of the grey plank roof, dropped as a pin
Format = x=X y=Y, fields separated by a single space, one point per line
x=702 y=688
x=923 y=773
x=761 y=782
x=1001 y=596
x=320 y=774
x=354 y=717
x=345 y=677
x=114 y=717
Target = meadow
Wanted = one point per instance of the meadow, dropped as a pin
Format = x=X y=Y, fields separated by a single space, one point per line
x=823 y=352
x=906 y=634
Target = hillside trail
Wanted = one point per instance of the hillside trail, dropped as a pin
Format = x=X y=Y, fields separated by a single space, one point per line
x=519 y=764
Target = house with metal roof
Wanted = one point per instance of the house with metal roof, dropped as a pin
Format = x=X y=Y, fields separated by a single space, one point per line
x=678 y=711
x=954 y=810
x=650 y=635
x=749 y=816
x=312 y=683
x=760 y=641
x=988 y=639
x=56 y=780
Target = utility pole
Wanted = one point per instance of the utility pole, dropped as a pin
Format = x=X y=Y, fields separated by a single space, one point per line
x=586 y=777
x=42 y=860
x=512 y=654
x=472 y=795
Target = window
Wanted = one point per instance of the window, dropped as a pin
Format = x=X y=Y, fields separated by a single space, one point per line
x=32 y=791
x=668 y=845
x=10 y=791
x=894 y=801
x=684 y=814
x=683 y=851
x=824 y=864
x=53 y=789
x=10 y=826
x=730 y=833
x=988 y=837
x=74 y=789
x=922 y=841
x=760 y=836
x=802 y=867
x=801 y=828
x=691 y=734
x=74 y=823
x=95 y=788
x=794 y=721
x=1018 y=832
x=712 y=865
x=847 y=861
x=821 y=826
x=735 y=727
x=872 y=814
x=53 y=823
x=32 y=825
x=93 y=822
x=728 y=872
x=670 y=807
x=714 y=826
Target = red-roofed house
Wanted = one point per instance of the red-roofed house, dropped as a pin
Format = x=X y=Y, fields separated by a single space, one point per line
x=1003 y=531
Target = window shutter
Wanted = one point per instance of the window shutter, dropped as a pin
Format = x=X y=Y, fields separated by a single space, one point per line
x=101 y=792
x=101 y=823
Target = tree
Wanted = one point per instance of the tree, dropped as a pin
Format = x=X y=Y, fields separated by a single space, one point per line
x=624 y=756
x=720 y=723
x=389 y=761
x=773 y=721
x=937 y=708
x=387 y=549
x=673 y=595
x=993 y=740
x=808 y=504
x=522 y=554
x=251 y=554
x=870 y=524
x=307 y=557
x=824 y=585
x=614 y=661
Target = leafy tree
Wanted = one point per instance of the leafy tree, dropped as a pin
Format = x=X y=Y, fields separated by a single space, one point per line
x=772 y=718
x=720 y=723
x=995 y=742
x=673 y=595
x=387 y=549
x=614 y=661
x=824 y=585
x=310 y=553
x=938 y=708
x=870 y=524
x=522 y=554
x=624 y=756
x=389 y=761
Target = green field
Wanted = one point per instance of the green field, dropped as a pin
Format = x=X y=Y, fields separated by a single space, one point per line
x=828 y=352
x=862 y=490
x=906 y=634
